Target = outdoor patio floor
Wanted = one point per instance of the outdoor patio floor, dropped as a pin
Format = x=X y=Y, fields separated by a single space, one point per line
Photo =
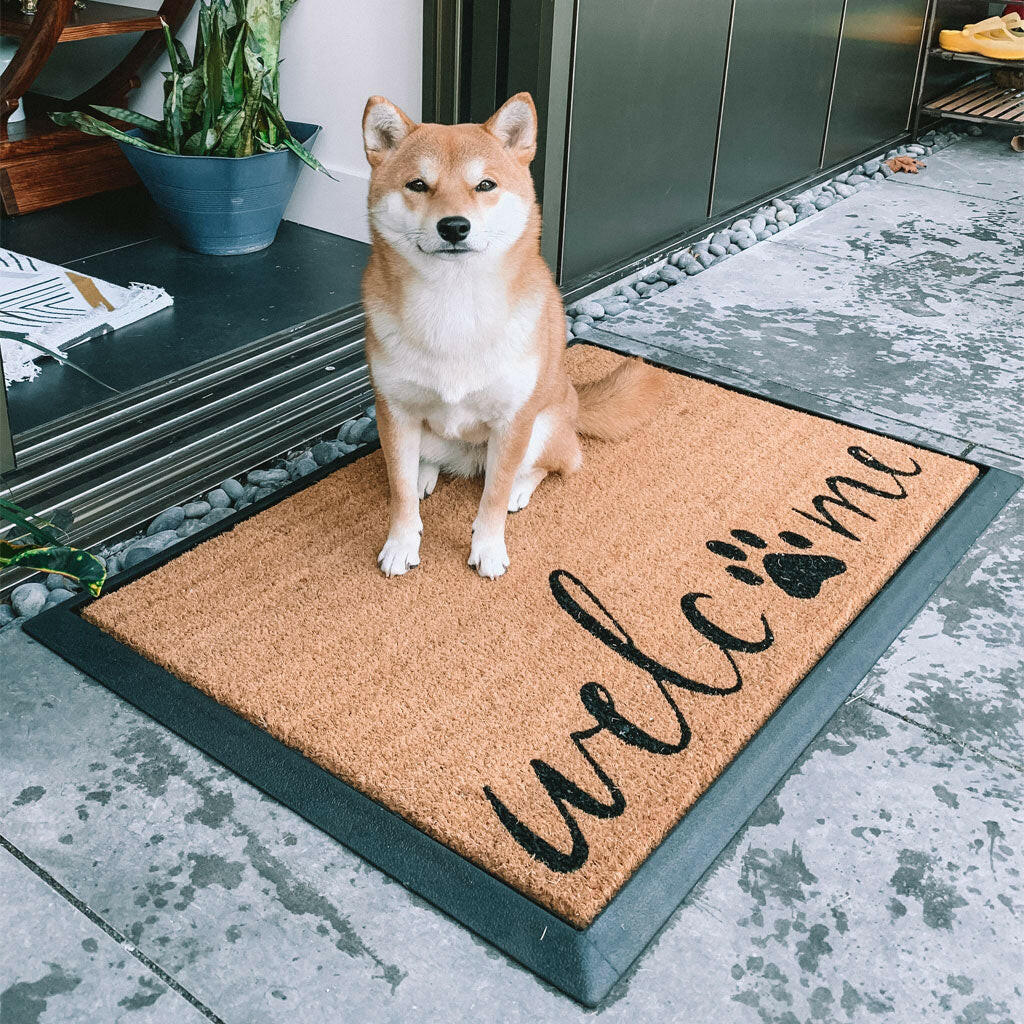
x=880 y=881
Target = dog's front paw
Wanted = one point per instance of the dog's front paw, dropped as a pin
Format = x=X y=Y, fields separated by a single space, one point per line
x=401 y=552
x=488 y=556
x=426 y=479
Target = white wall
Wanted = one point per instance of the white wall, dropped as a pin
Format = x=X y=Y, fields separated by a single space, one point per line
x=336 y=53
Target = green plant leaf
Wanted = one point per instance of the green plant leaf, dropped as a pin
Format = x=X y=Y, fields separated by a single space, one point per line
x=172 y=52
x=256 y=72
x=72 y=563
x=234 y=71
x=228 y=131
x=94 y=126
x=213 y=62
x=184 y=63
x=150 y=124
x=306 y=157
x=35 y=527
x=172 y=110
x=193 y=91
x=264 y=20
x=234 y=12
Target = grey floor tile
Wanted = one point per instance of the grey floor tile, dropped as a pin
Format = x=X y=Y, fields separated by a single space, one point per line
x=900 y=341
x=58 y=966
x=882 y=881
x=980 y=167
x=957 y=667
x=965 y=241
x=882 y=878
x=249 y=908
x=870 y=419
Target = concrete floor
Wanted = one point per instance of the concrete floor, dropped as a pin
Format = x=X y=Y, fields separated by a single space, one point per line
x=880 y=881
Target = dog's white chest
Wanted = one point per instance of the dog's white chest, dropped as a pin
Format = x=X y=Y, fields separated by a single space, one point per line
x=458 y=358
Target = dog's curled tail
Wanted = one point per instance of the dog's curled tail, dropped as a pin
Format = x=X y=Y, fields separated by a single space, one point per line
x=614 y=406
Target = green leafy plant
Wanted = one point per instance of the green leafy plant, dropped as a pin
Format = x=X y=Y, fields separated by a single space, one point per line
x=224 y=101
x=39 y=546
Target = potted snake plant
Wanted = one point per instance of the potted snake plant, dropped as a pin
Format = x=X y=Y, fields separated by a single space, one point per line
x=223 y=162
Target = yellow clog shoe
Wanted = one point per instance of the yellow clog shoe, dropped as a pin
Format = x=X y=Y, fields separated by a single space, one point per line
x=990 y=38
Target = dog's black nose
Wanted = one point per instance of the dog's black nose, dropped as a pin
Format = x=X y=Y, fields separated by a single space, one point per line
x=453 y=229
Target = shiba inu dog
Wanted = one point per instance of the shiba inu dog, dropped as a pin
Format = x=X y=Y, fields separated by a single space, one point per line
x=465 y=329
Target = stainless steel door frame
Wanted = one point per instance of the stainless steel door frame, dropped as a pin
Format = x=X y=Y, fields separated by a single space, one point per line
x=647 y=85
x=493 y=48
x=477 y=53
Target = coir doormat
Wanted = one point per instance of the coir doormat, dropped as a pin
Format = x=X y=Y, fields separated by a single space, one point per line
x=578 y=724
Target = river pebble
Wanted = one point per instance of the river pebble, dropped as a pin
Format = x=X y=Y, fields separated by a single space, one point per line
x=169 y=519
x=29 y=599
x=263 y=477
x=217 y=514
x=324 y=452
x=232 y=488
x=139 y=553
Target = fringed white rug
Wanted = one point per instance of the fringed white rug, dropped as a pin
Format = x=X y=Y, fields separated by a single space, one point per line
x=46 y=310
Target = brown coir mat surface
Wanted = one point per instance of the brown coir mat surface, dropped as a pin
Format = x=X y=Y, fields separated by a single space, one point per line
x=553 y=725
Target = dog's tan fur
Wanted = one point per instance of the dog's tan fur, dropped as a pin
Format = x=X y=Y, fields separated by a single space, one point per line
x=466 y=345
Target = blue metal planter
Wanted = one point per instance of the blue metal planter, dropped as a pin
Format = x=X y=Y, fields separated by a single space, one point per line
x=222 y=205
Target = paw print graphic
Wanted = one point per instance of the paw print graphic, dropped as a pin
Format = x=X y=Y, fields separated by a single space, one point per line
x=797 y=573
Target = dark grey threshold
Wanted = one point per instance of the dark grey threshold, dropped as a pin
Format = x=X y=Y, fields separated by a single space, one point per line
x=583 y=963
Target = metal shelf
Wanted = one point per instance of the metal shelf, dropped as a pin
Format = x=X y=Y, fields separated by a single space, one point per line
x=975 y=58
x=982 y=101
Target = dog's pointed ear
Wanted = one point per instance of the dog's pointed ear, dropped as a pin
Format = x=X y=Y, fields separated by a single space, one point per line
x=384 y=127
x=515 y=126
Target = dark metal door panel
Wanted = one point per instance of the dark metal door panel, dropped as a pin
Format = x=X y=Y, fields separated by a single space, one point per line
x=875 y=77
x=781 y=64
x=645 y=100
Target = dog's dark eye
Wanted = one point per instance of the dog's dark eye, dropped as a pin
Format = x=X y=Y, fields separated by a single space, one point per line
x=486 y=185
x=417 y=185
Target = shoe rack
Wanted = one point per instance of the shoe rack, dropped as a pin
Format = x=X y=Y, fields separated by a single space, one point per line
x=995 y=95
